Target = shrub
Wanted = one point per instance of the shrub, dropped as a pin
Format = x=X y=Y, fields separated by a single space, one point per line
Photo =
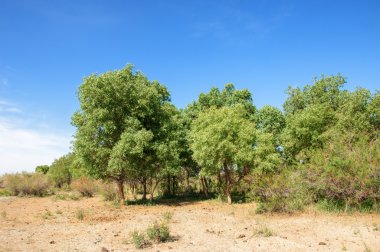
x=158 y=232
x=109 y=192
x=26 y=184
x=345 y=174
x=280 y=192
x=138 y=239
x=263 y=231
x=85 y=186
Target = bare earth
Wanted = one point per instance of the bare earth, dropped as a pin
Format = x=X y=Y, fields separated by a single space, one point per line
x=47 y=224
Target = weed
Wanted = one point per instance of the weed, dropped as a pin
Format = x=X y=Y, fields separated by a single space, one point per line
x=80 y=214
x=356 y=232
x=46 y=215
x=366 y=248
x=263 y=231
x=158 y=232
x=376 y=227
x=344 y=248
x=4 y=214
x=167 y=216
x=138 y=239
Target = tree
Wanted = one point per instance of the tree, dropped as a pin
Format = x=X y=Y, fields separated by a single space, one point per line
x=271 y=120
x=42 y=169
x=224 y=137
x=120 y=125
x=59 y=171
x=310 y=113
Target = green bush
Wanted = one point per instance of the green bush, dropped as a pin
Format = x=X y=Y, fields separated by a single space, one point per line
x=138 y=239
x=280 y=192
x=158 y=232
x=85 y=186
x=34 y=184
x=346 y=175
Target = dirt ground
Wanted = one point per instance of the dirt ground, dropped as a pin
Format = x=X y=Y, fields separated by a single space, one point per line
x=49 y=224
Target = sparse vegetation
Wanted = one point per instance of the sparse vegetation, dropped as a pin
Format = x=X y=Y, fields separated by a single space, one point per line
x=22 y=184
x=158 y=232
x=85 y=186
x=263 y=231
x=80 y=214
x=138 y=239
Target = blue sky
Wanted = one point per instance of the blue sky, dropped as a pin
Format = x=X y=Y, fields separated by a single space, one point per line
x=47 y=47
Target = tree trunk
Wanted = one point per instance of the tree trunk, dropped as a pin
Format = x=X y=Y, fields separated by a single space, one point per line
x=144 y=188
x=187 y=180
x=120 y=186
x=204 y=186
x=168 y=192
x=153 y=188
x=228 y=183
x=173 y=185
x=219 y=185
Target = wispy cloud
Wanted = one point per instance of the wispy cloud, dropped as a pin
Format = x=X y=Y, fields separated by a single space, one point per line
x=23 y=148
x=236 y=25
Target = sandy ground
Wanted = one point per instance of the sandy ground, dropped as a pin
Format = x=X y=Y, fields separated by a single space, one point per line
x=48 y=224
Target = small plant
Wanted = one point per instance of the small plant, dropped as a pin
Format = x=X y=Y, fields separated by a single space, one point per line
x=138 y=239
x=46 y=215
x=80 y=214
x=376 y=227
x=344 y=248
x=167 y=216
x=263 y=231
x=60 y=196
x=158 y=232
x=4 y=214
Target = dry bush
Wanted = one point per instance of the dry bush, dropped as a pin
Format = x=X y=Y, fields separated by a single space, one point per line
x=109 y=192
x=85 y=186
x=35 y=184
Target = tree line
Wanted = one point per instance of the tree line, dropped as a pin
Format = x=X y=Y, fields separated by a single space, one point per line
x=322 y=147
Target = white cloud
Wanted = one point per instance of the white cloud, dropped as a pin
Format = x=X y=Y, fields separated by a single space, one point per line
x=22 y=149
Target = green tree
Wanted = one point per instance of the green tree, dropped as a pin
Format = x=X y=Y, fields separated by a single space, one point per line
x=121 y=125
x=271 y=120
x=42 y=169
x=59 y=171
x=223 y=137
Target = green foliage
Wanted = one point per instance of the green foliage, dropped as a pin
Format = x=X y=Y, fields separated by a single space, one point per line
x=42 y=169
x=158 y=232
x=138 y=239
x=222 y=135
x=284 y=191
x=347 y=173
x=59 y=171
x=123 y=126
x=22 y=184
